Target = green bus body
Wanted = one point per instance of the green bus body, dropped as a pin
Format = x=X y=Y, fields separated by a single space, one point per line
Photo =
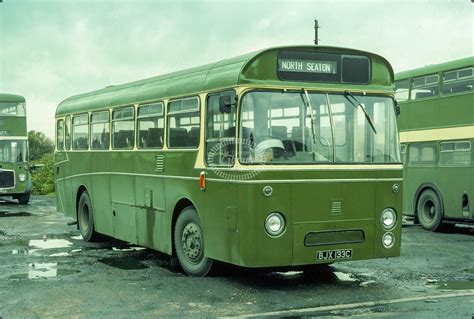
x=137 y=194
x=15 y=180
x=437 y=133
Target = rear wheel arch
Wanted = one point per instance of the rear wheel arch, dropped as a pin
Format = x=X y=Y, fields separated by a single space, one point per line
x=180 y=205
x=79 y=192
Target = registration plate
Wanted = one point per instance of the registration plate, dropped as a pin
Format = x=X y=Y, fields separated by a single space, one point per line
x=334 y=254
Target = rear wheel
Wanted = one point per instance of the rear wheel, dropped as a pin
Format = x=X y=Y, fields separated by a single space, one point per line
x=430 y=210
x=85 y=218
x=189 y=243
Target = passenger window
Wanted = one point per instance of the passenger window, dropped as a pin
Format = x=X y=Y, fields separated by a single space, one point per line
x=100 y=131
x=123 y=128
x=67 y=132
x=458 y=81
x=150 y=126
x=80 y=132
x=220 y=131
x=402 y=90
x=422 y=154
x=455 y=153
x=60 y=135
x=425 y=86
x=183 y=123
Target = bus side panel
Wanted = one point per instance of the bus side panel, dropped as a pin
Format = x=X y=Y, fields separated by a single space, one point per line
x=122 y=189
x=59 y=171
x=150 y=201
x=416 y=176
x=182 y=182
x=453 y=182
x=100 y=192
x=220 y=209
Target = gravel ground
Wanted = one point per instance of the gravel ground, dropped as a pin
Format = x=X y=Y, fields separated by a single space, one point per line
x=46 y=270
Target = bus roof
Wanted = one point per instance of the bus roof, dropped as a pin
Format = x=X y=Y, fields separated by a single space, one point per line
x=435 y=68
x=243 y=69
x=5 y=97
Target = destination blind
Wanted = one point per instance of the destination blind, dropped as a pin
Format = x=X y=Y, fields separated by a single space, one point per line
x=311 y=66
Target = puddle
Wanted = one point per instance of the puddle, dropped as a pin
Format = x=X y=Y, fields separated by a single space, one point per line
x=78 y=237
x=456 y=285
x=344 y=277
x=128 y=263
x=288 y=274
x=44 y=270
x=15 y=214
x=50 y=243
x=131 y=248
x=469 y=271
x=60 y=255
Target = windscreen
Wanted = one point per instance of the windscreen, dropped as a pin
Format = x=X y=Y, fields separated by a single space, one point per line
x=13 y=151
x=299 y=128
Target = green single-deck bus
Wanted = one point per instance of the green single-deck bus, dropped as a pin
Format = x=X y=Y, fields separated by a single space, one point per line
x=437 y=134
x=283 y=157
x=15 y=178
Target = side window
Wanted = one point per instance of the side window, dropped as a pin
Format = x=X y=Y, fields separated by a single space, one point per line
x=403 y=151
x=100 y=131
x=67 y=133
x=150 y=126
x=422 y=154
x=424 y=86
x=123 y=128
x=402 y=90
x=183 y=123
x=220 y=130
x=60 y=135
x=80 y=132
x=455 y=153
x=458 y=81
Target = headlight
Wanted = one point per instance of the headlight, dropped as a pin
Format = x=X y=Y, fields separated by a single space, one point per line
x=274 y=224
x=388 y=240
x=389 y=218
x=22 y=177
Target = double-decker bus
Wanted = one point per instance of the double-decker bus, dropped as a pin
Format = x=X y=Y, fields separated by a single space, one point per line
x=437 y=133
x=15 y=178
x=287 y=156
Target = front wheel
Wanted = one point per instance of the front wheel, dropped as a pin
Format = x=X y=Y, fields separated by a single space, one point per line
x=430 y=210
x=189 y=244
x=24 y=198
x=85 y=218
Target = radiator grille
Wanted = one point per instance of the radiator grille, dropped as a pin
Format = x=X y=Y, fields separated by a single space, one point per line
x=7 y=179
x=334 y=237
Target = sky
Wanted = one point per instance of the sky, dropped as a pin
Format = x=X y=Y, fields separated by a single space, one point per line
x=53 y=49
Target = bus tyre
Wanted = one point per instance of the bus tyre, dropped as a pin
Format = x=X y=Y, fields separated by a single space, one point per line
x=430 y=210
x=24 y=198
x=189 y=244
x=85 y=218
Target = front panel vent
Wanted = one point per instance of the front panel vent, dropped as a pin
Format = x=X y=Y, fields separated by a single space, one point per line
x=160 y=163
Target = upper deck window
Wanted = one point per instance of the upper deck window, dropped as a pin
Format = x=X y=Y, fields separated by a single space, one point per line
x=402 y=90
x=67 y=133
x=12 y=109
x=323 y=67
x=456 y=81
x=150 y=125
x=424 y=86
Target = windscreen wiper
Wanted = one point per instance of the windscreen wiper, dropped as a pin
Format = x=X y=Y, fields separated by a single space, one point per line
x=357 y=104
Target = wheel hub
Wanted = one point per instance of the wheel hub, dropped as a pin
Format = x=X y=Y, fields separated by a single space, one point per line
x=191 y=241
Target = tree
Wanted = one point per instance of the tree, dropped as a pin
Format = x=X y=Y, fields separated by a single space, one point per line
x=39 y=145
